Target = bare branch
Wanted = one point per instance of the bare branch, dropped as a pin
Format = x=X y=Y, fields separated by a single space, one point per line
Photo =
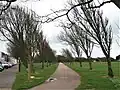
x=103 y=3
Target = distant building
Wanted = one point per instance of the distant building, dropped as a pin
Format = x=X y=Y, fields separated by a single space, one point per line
x=4 y=57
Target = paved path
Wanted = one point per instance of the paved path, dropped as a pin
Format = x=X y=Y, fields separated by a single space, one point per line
x=67 y=79
x=7 y=78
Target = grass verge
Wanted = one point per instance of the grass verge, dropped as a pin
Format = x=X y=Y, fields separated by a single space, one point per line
x=22 y=83
x=97 y=78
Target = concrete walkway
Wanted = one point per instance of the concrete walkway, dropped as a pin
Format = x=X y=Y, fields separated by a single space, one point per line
x=7 y=78
x=66 y=79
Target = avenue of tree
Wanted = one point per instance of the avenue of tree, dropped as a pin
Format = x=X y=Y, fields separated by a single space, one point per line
x=26 y=39
x=86 y=27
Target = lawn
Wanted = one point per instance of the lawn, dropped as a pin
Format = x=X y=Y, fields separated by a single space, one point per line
x=21 y=82
x=97 y=78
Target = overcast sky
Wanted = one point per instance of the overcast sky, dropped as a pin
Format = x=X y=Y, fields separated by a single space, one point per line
x=43 y=7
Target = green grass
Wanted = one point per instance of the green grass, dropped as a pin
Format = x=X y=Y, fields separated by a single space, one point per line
x=22 y=83
x=97 y=78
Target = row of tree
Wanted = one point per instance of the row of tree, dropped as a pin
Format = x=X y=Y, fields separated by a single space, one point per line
x=88 y=27
x=26 y=40
x=65 y=58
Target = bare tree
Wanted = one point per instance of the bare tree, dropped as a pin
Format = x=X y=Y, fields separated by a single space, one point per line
x=116 y=2
x=67 y=11
x=78 y=39
x=5 y=4
x=69 y=38
x=12 y=28
x=76 y=50
x=41 y=41
x=19 y=27
x=66 y=53
x=99 y=29
x=84 y=41
x=49 y=54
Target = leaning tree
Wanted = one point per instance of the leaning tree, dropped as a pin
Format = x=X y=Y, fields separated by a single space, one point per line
x=67 y=36
x=74 y=36
x=66 y=53
x=99 y=30
x=19 y=27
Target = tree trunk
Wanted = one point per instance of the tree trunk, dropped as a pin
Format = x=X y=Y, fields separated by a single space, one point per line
x=29 y=71
x=19 y=66
x=47 y=63
x=80 y=63
x=29 y=67
x=110 y=72
x=32 y=67
x=42 y=64
x=90 y=63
